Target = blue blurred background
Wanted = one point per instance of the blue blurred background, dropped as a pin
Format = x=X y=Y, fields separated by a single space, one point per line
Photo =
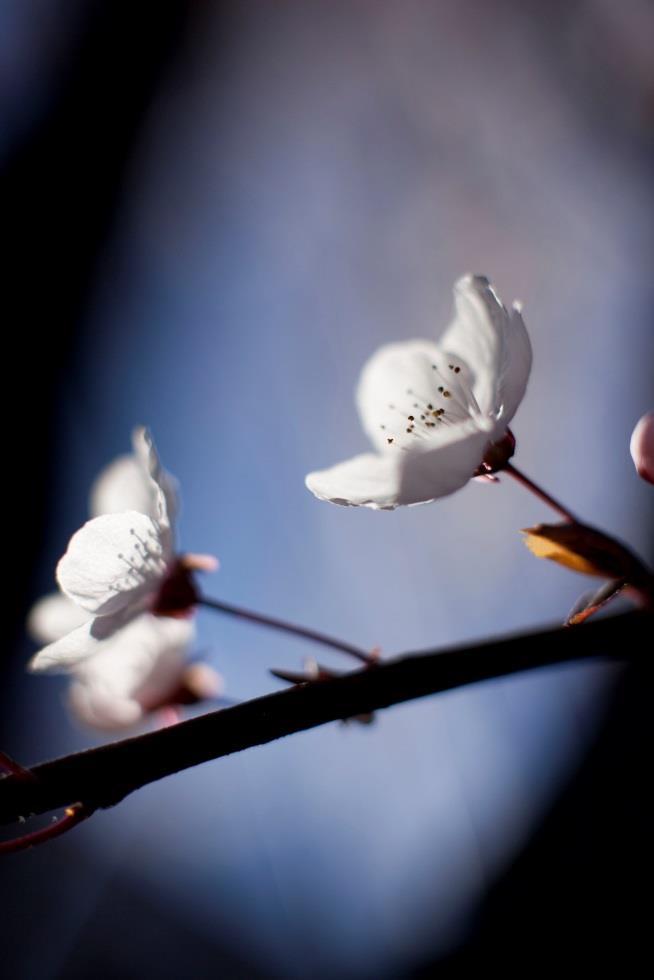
x=215 y=212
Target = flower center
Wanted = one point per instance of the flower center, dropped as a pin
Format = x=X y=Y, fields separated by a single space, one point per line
x=144 y=559
x=448 y=400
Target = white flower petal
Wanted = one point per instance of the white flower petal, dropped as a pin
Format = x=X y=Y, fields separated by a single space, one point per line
x=54 y=616
x=164 y=486
x=431 y=410
x=516 y=365
x=141 y=667
x=122 y=485
x=396 y=382
x=113 y=561
x=477 y=336
x=144 y=659
x=99 y=709
x=403 y=477
x=447 y=467
x=369 y=480
x=136 y=482
x=85 y=641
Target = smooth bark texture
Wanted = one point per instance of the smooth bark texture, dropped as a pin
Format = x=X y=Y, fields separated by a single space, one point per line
x=101 y=777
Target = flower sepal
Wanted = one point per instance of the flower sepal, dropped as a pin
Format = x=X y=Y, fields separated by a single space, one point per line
x=178 y=594
x=497 y=455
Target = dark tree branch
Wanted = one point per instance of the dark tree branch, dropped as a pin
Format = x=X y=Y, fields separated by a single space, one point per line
x=101 y=777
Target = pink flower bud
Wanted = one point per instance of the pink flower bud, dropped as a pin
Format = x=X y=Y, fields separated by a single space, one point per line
x=642 y=447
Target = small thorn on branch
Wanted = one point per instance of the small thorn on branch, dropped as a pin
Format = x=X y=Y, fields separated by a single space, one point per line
x=290 y=676
x=314 y=673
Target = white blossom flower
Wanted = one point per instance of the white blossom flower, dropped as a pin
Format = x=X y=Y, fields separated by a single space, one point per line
x=142 y=668
x=433 y=410
x=642 y=447
x=121 y=565
x=125 y=484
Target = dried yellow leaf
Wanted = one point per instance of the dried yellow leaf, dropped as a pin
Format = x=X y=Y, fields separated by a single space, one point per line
x=584 y=549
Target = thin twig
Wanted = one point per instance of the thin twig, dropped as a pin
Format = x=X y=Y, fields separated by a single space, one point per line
x=73 y=816
x=14 y=768
x=101 y=777
x=280 y=624
x=539 y=492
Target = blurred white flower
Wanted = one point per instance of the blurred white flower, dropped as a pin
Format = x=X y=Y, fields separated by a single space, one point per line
x=54 y=616
x=433 y=411
x=642 y=447
x=125 y=484
x=142 y=668
x=120 y=566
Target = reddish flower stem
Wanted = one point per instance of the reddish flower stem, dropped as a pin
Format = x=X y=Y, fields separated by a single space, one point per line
x=539 y=492
x=11 y=766
x=280 y=624
x=73 y=815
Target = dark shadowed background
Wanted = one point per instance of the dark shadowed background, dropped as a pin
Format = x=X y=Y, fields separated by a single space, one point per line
x=212 y=214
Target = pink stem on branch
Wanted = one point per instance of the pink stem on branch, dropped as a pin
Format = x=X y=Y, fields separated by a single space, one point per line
x=280 y=624
x=539 y=492
x=73 y=815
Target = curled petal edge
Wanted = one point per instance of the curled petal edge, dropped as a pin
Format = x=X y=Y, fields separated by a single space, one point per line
x=65 y=654
x=386 y=481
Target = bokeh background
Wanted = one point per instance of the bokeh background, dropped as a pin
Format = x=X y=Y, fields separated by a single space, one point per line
x=213 y=213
